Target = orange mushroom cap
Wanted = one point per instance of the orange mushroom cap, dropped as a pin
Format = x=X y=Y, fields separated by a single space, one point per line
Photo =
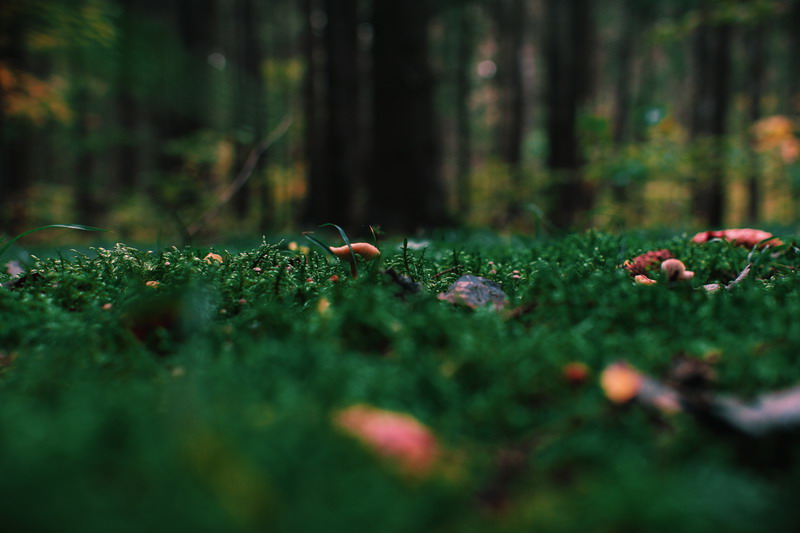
x=364 y=249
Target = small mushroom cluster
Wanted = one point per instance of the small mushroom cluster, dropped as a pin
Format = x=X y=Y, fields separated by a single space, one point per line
x=671 y=269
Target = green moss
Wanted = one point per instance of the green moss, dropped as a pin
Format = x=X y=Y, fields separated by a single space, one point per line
x=205 y=402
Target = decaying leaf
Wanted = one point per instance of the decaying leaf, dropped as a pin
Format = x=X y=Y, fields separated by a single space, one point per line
x=398 y=437
x=640 y=264
x=475 y=292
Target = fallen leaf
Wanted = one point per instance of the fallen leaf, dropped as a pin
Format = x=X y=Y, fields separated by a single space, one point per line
x=640 y=264
x=397 y=437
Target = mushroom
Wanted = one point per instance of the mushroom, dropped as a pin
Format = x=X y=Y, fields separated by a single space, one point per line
x=675 y=270
x=364 y=249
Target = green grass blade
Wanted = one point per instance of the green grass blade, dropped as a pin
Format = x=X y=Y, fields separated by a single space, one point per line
x=347 y=242
x=81 y=227
x=319 y=243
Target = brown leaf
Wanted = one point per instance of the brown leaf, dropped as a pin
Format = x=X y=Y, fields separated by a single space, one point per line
x=640 y=264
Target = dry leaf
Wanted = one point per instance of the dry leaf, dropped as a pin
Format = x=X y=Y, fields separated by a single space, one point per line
x=646 y=261
x=398 y=437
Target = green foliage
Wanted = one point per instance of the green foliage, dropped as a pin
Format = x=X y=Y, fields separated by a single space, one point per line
x=203 y=401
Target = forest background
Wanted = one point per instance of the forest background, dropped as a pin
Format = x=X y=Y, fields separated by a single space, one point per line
x=180 y=120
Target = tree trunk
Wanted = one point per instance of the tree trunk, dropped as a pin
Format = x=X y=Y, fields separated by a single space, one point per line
x=314 y=113
x=622 y=90
x=249 y=106
x=404 y=190
x=568 y=55
x=15 y=146
x=755 y=82
x=127 y=156
x=342 y=140
x=709 y=121
x=464 y=56
x=510 y=25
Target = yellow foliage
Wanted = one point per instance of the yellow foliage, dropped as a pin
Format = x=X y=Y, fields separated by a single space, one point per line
x=26 y=96
x=777 y=133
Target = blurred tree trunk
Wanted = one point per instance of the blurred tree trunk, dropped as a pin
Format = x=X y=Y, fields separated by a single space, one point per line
x=186 y=87
x=628 y=28
x=509 y=16
x=15 y=147
x=464 y=59
x=568 y=56
x=792 y=21
x=249 y=104
x=332 y=89
x=342 y=140
x=709 y=119
x=331 y=58
x=127 y=156
x=756 y=59
x=87 y=206
x=404 y=191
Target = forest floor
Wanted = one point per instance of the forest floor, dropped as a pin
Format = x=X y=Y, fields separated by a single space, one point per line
x=198 y=389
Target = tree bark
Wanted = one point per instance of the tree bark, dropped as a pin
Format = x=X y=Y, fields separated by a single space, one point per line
x=464 y=55
x=342 y=134
x=568 y=53
x=15 y=147
x=709 y=120
x=249 y=106
x=755 y=81
x=404 y=191
x=510 y=26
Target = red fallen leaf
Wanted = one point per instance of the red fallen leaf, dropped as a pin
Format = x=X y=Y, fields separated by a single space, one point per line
x=640 y=264
x=398 y=437
x=747 y=237
x=475 y=292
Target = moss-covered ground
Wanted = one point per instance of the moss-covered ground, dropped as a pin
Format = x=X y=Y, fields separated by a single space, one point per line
x=171 y=391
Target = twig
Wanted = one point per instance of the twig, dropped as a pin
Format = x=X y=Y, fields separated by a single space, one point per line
x=241 y=178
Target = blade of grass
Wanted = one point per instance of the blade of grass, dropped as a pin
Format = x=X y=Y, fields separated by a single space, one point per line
x=319 y=243
x=81 y=227
x=354 y=268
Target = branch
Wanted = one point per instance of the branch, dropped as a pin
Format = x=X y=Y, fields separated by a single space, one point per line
x=241 y=178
